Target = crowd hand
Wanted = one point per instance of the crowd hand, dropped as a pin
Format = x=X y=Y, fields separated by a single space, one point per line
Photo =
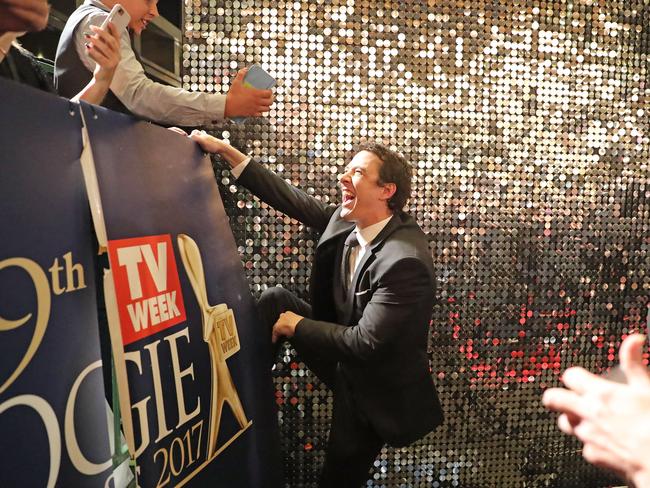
x=103 y=46
x=243 y=101
x=23 y=15
x=611 y=419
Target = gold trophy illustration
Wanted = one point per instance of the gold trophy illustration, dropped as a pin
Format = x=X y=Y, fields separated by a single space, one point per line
x=220 y=333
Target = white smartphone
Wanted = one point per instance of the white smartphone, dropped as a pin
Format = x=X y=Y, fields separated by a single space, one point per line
x=119 y=17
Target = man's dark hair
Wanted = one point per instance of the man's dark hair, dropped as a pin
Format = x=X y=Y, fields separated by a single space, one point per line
x=394 y=169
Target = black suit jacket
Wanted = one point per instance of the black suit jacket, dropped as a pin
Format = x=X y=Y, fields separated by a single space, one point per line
x=381 y=341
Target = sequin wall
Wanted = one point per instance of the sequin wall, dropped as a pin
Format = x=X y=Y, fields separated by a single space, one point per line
x=528 y=125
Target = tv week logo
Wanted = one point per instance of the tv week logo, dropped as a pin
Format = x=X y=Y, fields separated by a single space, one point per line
x=147 y=288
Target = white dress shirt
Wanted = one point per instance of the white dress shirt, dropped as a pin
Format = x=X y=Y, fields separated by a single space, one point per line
x=142 y=96
x=365 y=237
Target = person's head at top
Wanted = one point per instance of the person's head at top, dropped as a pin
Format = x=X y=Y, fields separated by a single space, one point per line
x=23 y=15
x=141 y=12
x=375 y=184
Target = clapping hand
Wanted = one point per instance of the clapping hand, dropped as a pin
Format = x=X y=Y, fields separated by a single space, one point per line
x=611 y=419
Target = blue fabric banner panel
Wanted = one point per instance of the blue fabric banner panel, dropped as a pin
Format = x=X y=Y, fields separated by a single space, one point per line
x=53 y=423
x=199 y=382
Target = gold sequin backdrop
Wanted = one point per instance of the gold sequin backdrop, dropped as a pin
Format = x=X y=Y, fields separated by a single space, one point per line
x=527 y=122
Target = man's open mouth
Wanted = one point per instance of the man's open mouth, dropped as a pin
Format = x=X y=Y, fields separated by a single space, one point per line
x=348 y=197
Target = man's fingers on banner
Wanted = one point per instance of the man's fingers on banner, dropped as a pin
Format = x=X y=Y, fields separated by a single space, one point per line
x=178 y=131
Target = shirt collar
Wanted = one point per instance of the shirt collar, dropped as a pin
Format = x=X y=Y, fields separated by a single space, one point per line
x=98 y=4
x=366 y=235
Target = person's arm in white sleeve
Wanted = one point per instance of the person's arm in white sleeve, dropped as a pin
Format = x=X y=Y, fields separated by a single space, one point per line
x=146 y=98
x=167 y=104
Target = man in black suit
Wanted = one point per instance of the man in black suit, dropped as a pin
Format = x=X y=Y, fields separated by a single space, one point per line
x=372 y=291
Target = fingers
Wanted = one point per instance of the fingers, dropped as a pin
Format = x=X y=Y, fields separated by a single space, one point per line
x=263 y=96
x=594 y=450
x=98 y=51
x=239 y=78
x=106 y=41
x=109 y=37
x=631 y=357
x=582 y=381
x=178 y=130
x=207 y=142
x=275 y=334
x=561 y=400
x=567 y=423
x=97 y=56
x=198 y=135
x=20 y=15
x=115 y=34
x=103 y=48
x=602 y=456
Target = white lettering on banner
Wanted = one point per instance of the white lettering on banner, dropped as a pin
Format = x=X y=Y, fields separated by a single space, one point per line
x=183 y=416
x=71 y=270
x=80 y=461
x=163 y=430
x=47 y=415
x=153 y=310
x=141 y=406
x=159 y=389
x=130 y=257
x=74 y=280
x=157 y=268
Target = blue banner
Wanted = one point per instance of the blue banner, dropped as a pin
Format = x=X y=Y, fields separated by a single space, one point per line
x=194 y=374
x=53 y=424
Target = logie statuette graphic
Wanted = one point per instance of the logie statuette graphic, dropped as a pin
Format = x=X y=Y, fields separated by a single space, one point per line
x=220 y=333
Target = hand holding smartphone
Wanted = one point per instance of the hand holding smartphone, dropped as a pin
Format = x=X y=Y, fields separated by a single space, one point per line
x=256 y=77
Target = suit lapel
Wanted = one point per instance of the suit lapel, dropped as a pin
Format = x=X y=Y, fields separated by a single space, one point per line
x=336 y=227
